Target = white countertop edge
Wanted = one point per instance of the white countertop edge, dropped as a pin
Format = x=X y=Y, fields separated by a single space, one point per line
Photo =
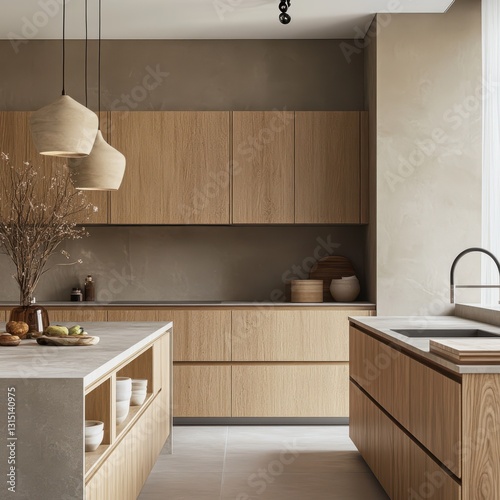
x=383 y=326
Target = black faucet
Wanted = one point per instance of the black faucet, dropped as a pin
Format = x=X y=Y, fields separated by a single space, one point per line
x=452 y=271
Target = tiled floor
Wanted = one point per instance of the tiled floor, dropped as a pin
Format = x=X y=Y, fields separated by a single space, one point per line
x=265 y=463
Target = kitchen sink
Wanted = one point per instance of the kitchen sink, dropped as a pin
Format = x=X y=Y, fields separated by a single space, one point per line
x=451 y=333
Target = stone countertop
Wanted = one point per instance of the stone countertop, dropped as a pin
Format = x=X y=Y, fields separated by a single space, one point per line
x=118 y=341
x=198 y=303
x=384 y=326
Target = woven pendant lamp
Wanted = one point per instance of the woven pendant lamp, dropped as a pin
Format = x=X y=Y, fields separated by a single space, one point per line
x=104 y=168
x=65 y=127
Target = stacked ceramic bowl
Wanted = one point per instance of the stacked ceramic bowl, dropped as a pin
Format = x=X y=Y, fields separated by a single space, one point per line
x=123 y=395
x=94 y=434
x=345 y=289
x=139 y=391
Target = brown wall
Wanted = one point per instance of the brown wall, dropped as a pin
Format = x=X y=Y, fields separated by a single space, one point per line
x=202 y=75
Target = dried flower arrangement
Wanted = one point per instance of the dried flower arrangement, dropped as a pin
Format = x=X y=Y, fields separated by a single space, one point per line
x=37 y=213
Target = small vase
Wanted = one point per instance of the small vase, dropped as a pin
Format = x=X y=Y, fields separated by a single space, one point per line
x=34 y=315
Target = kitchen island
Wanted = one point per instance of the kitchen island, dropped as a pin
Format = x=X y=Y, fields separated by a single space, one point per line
x=428 y=427
x=48 y=392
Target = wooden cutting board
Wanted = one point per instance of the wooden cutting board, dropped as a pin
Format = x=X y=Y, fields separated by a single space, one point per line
x=328 y=268
x=69 y=340
x=467 y=351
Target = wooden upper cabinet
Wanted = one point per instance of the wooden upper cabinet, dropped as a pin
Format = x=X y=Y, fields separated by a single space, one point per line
x=327 y=167
x=177 y=167
x=263 y=167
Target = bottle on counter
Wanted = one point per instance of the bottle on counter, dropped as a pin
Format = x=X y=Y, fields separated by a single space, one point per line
x=76 y=295
x=89 y=289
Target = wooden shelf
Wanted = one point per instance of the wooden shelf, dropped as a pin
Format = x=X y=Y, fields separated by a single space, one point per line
x=134 y=413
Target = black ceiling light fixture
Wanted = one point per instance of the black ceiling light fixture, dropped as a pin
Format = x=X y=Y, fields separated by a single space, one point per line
x=284 y=17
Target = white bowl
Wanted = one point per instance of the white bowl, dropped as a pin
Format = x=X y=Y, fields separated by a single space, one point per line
x=139 y=383
x=93 y=442
x=345 y=292
x=122 y=409
x=93 y=427
x=138 y=398
x=123 y=388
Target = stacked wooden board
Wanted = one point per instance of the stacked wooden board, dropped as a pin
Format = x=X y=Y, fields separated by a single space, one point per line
x=468 y=350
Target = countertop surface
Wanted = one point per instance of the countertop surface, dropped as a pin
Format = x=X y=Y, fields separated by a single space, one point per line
x=384 y=326
x=118 y=341
x=197 y=303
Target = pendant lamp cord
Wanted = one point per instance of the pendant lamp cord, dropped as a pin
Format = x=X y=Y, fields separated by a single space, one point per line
x=63 y=47
x=86 y=54
x=99 y=69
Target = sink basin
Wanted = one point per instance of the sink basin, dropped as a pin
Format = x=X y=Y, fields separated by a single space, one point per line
x=450 y=333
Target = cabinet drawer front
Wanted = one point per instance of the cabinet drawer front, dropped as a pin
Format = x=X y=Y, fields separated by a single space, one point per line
x=132 y=315
x=291 y=335
x=436 y=414
x=200 y=335
x=202 y=391
x=382 y=371
x=290 y=390
x=428 y=479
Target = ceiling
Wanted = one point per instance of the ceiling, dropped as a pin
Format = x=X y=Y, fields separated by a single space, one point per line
x=202 y=19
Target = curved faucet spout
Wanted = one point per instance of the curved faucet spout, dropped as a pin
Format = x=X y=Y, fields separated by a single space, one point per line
x=452 y=271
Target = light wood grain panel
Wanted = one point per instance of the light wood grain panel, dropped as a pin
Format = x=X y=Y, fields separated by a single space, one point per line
x=291 y=335
x=72 y=316
x=4 y=314
x=435 y=414
x=200 y=335
x=263 y=171
x=177 y=167
x=429 y=480
x=99 y=406
x=140 y=368
x=327 y=167
x=202 y=390
x=481 y=436
x=364 y=168
x=132 y=315
x=14 y=134
x=290 y=390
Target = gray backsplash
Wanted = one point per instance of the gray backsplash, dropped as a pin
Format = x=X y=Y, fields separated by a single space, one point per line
x=192 y=262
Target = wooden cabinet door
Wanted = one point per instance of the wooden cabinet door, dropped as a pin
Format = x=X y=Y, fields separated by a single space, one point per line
x=263 y=167
x=290 y=390
x=202 y=390
x=200 y=335
x=291 y=335
x=436 y=414
x=14 y=133
x=327 y=167
x=177 y=167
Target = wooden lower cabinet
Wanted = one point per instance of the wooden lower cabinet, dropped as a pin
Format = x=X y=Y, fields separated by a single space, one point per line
x=403 y=468
x=290 y=390
x=76 y=315
x=200 y=335
x=202 y=390
x=435 y=414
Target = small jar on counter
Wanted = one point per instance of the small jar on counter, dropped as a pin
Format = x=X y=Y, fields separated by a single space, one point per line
x=76 y=295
